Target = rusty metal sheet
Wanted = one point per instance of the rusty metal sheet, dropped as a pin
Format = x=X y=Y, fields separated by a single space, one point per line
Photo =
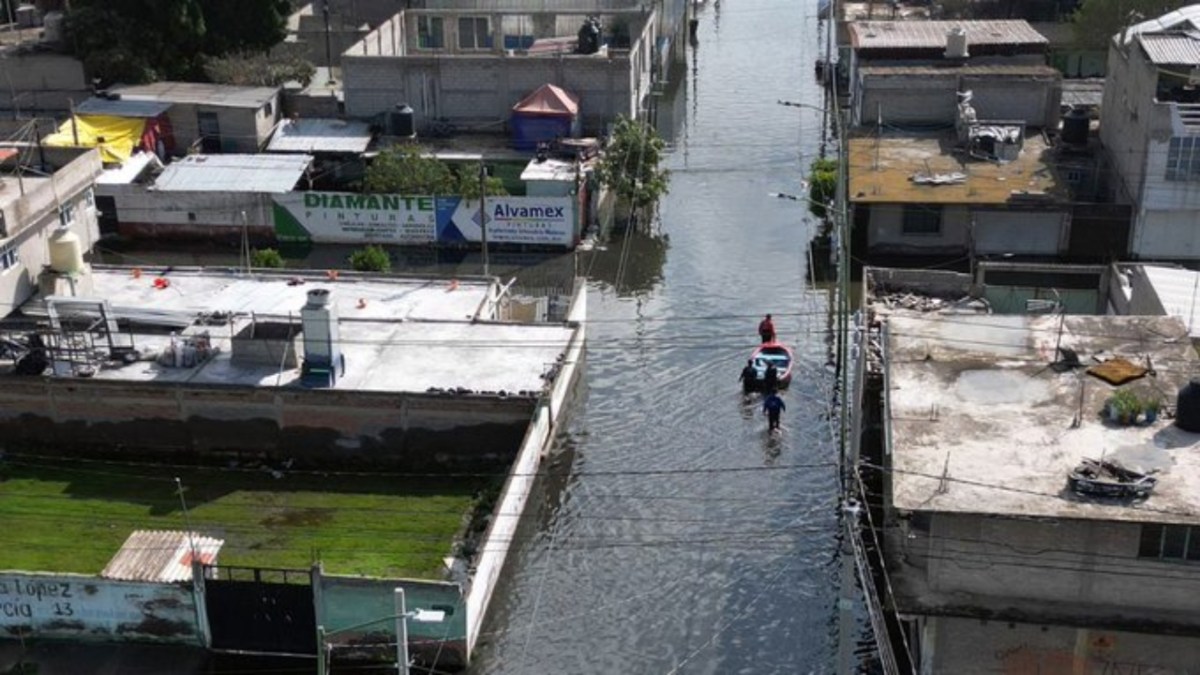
x=161 y=555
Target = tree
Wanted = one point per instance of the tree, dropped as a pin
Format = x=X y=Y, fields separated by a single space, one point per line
x=468 y=184
x=407 y=170
x=822 y=185
x=1097 y=21
x=143 y=40
x=371 y=259
x=267 y=258
x=629 y=165
x=244 y=25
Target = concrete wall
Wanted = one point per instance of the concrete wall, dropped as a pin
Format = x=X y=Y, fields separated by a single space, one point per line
x=32 y=218
x=243 y=130
x=931 y=98
x=957 y=645
x=316 y=427
x=145 y=213
x=886 y=233
x=1166 y=217
x=1053 y=570
x=77 y=607
x=1019 y=232
x=345 y=602
x=481 y=86
x=539 y=439
x=38 y=82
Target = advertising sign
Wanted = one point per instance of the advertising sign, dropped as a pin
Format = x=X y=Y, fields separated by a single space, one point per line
x=343 y=217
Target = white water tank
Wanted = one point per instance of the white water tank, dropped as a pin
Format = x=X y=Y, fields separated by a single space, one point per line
x=66 y=252
x=956 y=43
x=319 y=320
x=52 y=28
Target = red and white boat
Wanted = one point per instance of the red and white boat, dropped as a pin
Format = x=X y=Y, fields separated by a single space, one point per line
x=776 y=353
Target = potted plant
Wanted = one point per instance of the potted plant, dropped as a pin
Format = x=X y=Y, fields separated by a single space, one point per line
x=1150 y=406
x=1123 y=407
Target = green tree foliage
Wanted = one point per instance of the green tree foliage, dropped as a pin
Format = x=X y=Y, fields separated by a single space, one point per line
x=267 y=258
x=630 y=164
x=143 y=40
x=371 y=259
x=408 y=170
x=822 y=185
x=1097 y=21
x=244 y=26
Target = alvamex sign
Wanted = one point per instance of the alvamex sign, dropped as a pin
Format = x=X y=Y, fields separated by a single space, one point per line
x=340 y=217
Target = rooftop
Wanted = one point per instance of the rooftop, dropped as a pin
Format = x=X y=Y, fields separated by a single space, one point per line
x=1182 y=19
x=163 y=556
x=882 y=171
x=122 y=107
x=1083 y=92
x=980 y=423
x=1177 y=290
x=397 y=334
x=1171 y=49
x=932 y=34
x=196 y=93
x=551 y=170
x=1030 y=70
x=233 y=173
x=320 y=135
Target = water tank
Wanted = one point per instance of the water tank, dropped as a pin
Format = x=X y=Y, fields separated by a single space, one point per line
x=1075 y=126
x=956 y=43
x=1187 y=407
x=402 y=122
x=589 y=36
x=28 y=16
x=66 y=253
x=52 y=28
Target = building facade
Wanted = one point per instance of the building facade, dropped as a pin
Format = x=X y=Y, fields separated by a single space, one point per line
x=33 y=206
x=469 y=67
x=1151 y=132
x=213 y=118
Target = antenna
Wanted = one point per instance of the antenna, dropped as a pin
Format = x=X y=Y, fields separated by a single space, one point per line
x=187 y=520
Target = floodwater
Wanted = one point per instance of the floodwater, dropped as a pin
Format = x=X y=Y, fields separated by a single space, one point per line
x=675 y=535
x=681 y=537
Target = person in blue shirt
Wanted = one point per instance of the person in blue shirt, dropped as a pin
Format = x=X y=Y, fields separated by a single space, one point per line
x=773 y=406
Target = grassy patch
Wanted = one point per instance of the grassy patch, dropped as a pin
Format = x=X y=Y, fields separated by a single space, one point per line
x=73 y=516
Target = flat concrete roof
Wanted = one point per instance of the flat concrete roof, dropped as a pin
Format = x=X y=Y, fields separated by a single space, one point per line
x=882 y=168
x=972 y=397
x=199 y=93
x=932 y=34
x=195 y=291
x=408 y=336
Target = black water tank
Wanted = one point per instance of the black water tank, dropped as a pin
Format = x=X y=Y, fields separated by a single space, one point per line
x=1187 y=407
x=589 y=36
x=402 y=122
x=1075 y=126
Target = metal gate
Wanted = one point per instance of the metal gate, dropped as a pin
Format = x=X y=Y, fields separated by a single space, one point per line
x=262 y=610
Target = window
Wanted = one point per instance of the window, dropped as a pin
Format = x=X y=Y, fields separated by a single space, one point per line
x=90 y=197
x=8 y=257
x=268 y=109
x=1170 y=542
x=922 y=220
x=1183 y=159
x=431 y=33
x=473 y=33
x=66 y=214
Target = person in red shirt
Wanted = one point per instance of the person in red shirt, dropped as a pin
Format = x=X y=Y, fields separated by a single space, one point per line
x=766 y=329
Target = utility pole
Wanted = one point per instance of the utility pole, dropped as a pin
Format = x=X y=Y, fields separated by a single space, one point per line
x=483 y=213
x=328 y=48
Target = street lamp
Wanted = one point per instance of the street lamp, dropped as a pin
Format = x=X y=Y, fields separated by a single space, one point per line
x=402 y=617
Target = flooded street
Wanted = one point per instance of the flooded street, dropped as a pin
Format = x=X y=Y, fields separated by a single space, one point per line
x=676 y=535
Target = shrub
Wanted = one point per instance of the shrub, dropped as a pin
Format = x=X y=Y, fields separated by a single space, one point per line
x=267 y=258
x=371 y=259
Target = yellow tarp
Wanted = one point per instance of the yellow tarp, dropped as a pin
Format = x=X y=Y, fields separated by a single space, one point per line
x=116 y=137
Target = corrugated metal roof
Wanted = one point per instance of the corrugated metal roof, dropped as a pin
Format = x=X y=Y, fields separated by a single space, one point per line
x=1086 y=92
x=122 y=107
x=956 y=71
x=198 y=93
x=320 y=135
x=233 y=173
x=1180 y=49
x=161 y=556
x=932 y=34
x=1184 y=18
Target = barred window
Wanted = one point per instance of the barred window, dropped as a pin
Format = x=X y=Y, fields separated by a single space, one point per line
x=1183 y=159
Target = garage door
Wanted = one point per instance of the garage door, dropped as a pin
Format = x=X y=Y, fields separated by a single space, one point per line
x=1020 y=232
